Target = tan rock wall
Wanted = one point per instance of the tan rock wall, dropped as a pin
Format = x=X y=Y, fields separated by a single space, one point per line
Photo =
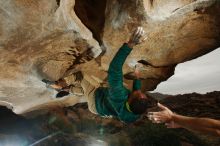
x=51 y=39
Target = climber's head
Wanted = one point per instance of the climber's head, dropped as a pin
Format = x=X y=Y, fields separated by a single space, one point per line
x=137 y=102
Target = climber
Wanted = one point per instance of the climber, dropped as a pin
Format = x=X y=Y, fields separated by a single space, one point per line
x=173 y=120
x=116 y=100
x=64 y=86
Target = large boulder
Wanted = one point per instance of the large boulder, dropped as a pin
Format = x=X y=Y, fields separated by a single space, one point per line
x=55 y=38
x=178 y=30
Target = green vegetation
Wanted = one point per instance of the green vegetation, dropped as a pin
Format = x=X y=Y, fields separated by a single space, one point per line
x=158 y=135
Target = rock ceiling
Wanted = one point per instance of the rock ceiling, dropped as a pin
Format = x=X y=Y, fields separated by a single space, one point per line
x=54 y=38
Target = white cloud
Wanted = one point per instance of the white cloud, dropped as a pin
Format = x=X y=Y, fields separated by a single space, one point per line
x=200 y=75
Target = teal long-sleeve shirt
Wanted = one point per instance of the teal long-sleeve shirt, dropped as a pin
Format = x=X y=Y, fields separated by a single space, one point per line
x=111 y=101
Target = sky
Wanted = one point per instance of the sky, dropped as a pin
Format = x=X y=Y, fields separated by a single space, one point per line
x=200 y=75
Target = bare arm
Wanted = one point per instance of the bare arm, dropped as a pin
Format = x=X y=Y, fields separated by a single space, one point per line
x=172 y=120
x=137 y=81
x=203 y=125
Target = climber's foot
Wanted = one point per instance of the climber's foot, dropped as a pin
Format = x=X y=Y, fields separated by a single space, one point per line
x=62 y=94
x=52 y=84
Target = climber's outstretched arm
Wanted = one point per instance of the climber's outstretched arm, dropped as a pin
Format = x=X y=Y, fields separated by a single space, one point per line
x=115 y=74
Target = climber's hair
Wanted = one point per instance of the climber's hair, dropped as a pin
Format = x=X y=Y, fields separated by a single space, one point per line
x=138 y=102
